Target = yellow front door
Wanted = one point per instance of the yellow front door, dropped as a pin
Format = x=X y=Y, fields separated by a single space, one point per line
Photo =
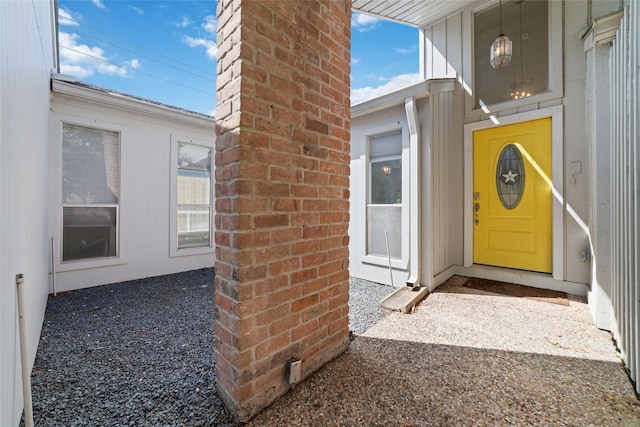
x=512 y=196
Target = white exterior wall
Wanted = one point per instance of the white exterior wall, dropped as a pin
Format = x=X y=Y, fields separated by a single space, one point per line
x=380 y=122
x=447 y=178
x=439 y=107
x=624 y=115
x=26 y=61
x=145 y=200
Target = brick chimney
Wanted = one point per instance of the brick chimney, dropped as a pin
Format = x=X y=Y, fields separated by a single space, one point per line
x=282 y=194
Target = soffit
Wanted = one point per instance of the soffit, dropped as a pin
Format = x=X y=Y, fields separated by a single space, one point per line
x=416 y=13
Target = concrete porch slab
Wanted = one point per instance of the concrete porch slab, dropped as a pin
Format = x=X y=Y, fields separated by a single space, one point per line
x=404 y=299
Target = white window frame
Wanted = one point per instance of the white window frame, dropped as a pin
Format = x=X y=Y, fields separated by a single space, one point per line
x=401 y=263
x=555 y=63
x=173 y=203
x=55 y=195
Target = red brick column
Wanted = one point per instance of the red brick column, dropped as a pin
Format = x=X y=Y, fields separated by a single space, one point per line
x=282 y=193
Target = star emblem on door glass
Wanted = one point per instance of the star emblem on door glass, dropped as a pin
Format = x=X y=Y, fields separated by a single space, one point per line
x=510 y=176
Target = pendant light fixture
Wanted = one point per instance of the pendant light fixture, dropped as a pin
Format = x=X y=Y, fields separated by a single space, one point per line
x=501 y=49
x=523 y=87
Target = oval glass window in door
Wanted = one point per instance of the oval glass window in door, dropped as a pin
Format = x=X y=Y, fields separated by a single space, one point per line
x=510 y=176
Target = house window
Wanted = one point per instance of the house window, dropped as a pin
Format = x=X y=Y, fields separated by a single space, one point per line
x=90 y=192
x=193 y=195
x=384 y=206
x=526 y=23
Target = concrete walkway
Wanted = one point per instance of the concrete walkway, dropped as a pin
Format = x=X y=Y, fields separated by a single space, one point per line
x=469 y=358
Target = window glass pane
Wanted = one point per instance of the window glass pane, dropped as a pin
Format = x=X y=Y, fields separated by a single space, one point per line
x=89 y=232
x=386 y=182
x=379 y=219
x=194 y=174
x=385 y=165
x=530 y=43
x=193 y=196
x=90 y=165
x=194 y=226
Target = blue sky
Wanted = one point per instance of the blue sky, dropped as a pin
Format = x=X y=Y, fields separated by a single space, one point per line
x=165 y=50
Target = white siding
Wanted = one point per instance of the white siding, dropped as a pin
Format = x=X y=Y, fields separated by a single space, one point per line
x=377 y=123
x=625 y=169
x=443 y=44
x=145 y=208
x=26 y=60
x=447 y=175
x=576 y=165
x=439 y=119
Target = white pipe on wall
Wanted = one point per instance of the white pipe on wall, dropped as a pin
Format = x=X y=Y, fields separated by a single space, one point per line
x=53 y=266
x=414 y=193
x=26 y=374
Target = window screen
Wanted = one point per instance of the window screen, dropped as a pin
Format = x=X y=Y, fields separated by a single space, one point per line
x=90 y=192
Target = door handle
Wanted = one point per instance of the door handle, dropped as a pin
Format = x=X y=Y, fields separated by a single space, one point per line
x=476 y=208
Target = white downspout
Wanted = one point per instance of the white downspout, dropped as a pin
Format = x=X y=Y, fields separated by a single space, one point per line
x=26 y=374
x=414 y=193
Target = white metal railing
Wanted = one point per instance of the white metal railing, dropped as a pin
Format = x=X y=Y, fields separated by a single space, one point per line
x=186 y=223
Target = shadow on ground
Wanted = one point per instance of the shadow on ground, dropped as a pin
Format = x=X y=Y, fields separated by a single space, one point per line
x=397 y=383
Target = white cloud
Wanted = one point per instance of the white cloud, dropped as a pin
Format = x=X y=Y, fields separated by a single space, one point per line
x=404 y=51
x=80 y=60
x=363 y=23
x=212 y=113
x=354 y=61
x=210 y=24
x=65 y=18
x=185 y=22
x=209 y=45
x=98 y=4
x=394 y=83
x=138 y=10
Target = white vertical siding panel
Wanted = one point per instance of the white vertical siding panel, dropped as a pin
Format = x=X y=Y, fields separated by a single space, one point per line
x=634 y=74
x=454 y=46
x=635 y=126
x=447 y=185
x=625 y=206
x=450 y=168
x=444 y=52
x=436 y=174
x=26 y=60
x=446 y=247
x=440 y=50
x=428 y=54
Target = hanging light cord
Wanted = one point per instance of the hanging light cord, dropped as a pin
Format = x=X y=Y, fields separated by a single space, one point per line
x=501 y=17
x=521 y=44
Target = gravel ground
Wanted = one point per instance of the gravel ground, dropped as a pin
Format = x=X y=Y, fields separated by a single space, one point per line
x=364 y=304
x=141 y=353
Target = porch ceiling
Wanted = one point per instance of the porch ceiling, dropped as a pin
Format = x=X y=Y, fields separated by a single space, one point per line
x=416 y=13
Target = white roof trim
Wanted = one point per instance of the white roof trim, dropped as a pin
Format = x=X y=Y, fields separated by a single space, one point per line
x=397 y=98
x=127 y=103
